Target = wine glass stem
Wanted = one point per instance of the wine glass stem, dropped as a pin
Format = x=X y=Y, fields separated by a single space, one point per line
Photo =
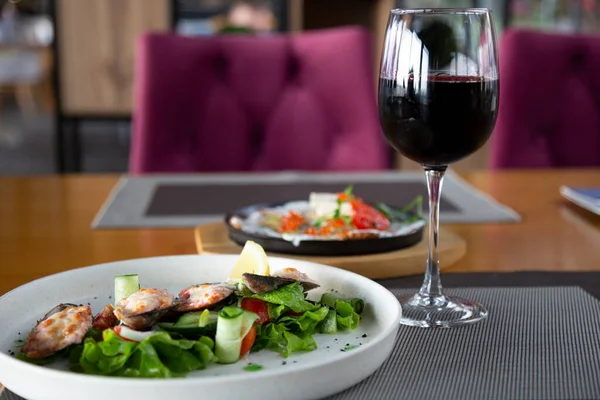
x=432 y=285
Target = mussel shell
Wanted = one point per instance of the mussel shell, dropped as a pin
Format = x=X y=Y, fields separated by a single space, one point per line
x=309 y=285
x=298 y=276
x=144 y=320
x=56 y=332
x=204 y=296
x=58 y=308
x=263 y=284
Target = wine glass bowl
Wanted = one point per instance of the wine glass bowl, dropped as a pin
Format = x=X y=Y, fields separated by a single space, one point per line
x=438 y=103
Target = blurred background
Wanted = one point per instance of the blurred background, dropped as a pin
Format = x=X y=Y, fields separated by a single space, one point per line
x=66 y=66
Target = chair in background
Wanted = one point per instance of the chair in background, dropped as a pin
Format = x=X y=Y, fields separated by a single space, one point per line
x=256 y=103
x=549 y=101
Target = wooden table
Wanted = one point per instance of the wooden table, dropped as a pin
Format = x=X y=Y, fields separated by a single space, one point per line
x=45 y=227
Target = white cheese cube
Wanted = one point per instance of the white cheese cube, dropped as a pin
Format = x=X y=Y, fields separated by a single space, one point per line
x=325 y=204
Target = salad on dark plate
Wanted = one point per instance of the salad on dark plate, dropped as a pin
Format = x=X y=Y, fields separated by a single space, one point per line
x=329 y=224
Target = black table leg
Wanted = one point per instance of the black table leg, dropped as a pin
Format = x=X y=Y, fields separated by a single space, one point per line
x=75 y=146
x=59 y=145
x=67 y=145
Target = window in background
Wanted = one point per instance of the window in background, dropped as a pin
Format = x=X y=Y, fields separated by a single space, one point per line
x=570 y=16
x=434 y=3
x=472 y=50
x=498 y=8
x=590 y=15
x=210 y=17
x=26 y=88
x=554 y=15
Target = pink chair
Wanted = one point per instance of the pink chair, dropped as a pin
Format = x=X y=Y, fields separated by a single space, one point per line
x=240 y=103
x=549 y=101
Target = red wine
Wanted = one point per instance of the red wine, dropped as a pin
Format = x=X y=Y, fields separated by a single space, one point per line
x=437 y=120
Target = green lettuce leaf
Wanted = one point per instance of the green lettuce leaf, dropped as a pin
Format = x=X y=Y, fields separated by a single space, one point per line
x=106 y=357
x=329 y=324
x=277 y=337
x=290 y=333
x=276 y=311
x=347 y=318
x=158 y=356
x=305 y=323
x=291 y=296
x=296 y=343
x=146 y=363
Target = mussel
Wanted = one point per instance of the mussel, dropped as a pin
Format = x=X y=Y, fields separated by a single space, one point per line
x=200 y=297
x=59 y=308
x=64 y=325
x=287 y=276
x=144 y=308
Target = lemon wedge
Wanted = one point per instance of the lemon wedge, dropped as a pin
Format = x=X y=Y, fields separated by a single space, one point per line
x=253 y=260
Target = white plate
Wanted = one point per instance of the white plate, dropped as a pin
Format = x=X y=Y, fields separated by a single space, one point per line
x=322 y=372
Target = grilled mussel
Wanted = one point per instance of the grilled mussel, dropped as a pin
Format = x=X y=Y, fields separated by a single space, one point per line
x=200 y=297
x=64 y=325
x=287 y=276
x=144 y=308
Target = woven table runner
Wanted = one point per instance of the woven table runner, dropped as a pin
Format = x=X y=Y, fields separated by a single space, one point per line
x=537 y=343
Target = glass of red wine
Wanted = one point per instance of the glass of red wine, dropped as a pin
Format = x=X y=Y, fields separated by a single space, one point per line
x=438 y=103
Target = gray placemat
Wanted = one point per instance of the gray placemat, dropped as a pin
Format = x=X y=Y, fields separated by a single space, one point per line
x=164 y=201
x=537 y=343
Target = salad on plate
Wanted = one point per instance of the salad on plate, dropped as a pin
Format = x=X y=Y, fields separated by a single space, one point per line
x=153 y=333
x=332 y=216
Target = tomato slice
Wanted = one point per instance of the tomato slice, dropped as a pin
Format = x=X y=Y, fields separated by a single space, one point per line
x=259 y=307
x=367 y=217
x=105 y=319
x=248 y=341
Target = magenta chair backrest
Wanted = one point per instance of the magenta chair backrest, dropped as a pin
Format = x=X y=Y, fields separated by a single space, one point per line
x=549 y=101
x=240 y=103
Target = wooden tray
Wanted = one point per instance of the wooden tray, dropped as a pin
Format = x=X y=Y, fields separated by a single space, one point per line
x=213 y=239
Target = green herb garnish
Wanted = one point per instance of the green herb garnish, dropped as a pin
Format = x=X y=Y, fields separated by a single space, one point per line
x=348 y=190
x=347 y=219
x=253 y=367
x=338 y=210
x=320 y=221
x=412 y=212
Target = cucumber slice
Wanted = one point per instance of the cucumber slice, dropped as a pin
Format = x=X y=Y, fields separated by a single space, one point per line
x=188 y=331
x=198 y=318
x=232 y=326
x=193 y=324
x=125 y=286
x=208 y=318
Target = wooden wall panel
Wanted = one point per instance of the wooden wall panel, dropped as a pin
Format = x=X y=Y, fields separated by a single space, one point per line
x=296 y=15
x=96 y=51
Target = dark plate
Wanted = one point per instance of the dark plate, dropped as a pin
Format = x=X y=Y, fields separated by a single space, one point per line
x=350 y=247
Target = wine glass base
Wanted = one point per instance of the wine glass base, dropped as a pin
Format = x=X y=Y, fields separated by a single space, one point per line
x=440 y=311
